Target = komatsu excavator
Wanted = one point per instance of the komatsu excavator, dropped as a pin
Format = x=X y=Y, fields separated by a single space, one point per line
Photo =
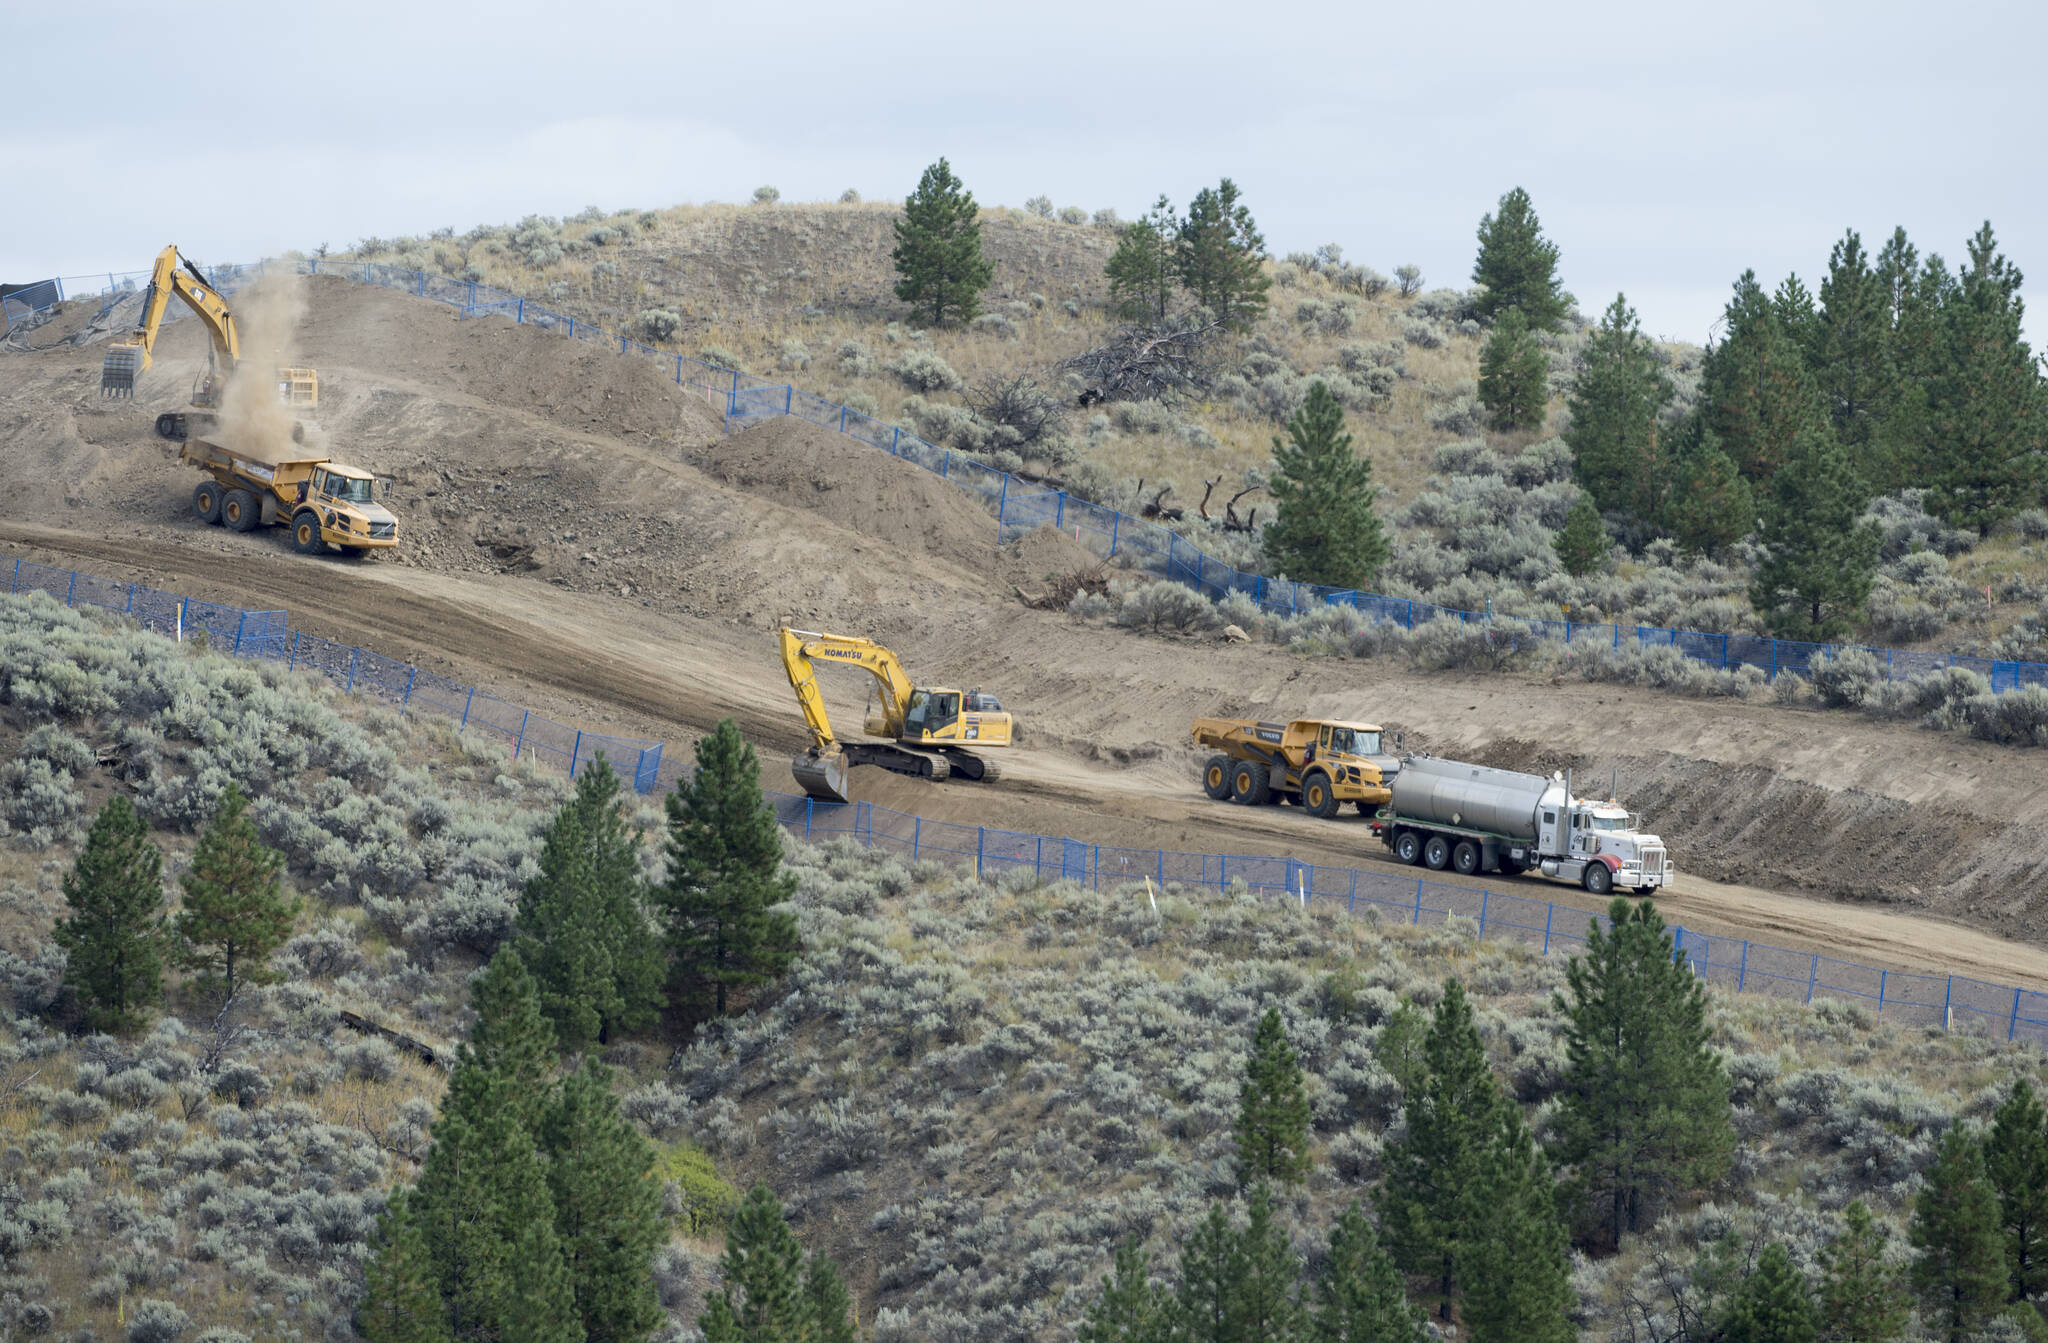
x=130 y=359
x=929 y=730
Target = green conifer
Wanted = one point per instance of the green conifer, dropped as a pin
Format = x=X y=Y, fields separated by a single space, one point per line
x=2016 y=1161
x=510 y=1037
x=1645 y=1109
x=763 y=1299
x=1849 y=358
x=1710 y=506
x=1773 y=1306
x=236 y=912
x=1264 y=1308
x=583 y=933
x=1959 y=1272
x=1205 y=1309
x=1273 y=1114
x=1515 y=1259
x=1220 y=256
x=1618 y=451
x=1361 y=1298
x=607 y=1207
x=1324 y=529
x=1988 y=405
x=1518 y=265
x=114 y=934
x=1514 y=374
x=938 y=248
x=1432 y=1207
x=1583 y=544
x=401 y=1300
x=1814 y=582
x=829 y=1303
x=1761 y=401
x=1862 y=1297
x=725 y=878
x=1128 y=1308
x=1142 y=272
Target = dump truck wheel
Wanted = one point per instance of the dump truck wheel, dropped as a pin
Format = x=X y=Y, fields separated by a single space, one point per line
x=1408 y=847
x=306 y=534
x=239 y=510
x=206 y=501
x=1248 y=783
x=1597 y=880
x=1216 y=777
x=1319 y=797
x=1436 y=855
x=1465 y=859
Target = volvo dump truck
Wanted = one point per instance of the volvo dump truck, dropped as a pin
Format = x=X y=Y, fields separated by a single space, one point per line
x=125 y=361
x=325 y=502
x=1317 y=763
x=931 y=732
x=1472 y=819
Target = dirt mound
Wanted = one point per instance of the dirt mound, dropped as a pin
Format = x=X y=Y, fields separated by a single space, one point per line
x=885 y=497
x=577 y=384
x=1036 y=561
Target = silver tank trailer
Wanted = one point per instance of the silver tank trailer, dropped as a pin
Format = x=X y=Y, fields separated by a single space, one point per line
x=1474 y=797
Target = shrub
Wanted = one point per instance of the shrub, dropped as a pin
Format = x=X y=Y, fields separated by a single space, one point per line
x=1073 y=214
x=62 y=749
x=660 y=323
x=1409 y=279
x=1106 y=218
x=849 y=197
x=2017 y=717
x=1166 y=604
x=40 y=803
x=1422 y=335
x=855 y=360
x=705 y=1202
x=766 y=195
x=1846 y=681
x=1040 y=206
x=995 y=324
x=795 y=355
x=157 y=1322
x=924 y=371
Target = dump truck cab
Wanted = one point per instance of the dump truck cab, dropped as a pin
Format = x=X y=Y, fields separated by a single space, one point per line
x=1320 y=763
x=337 y=505
x=325 y=502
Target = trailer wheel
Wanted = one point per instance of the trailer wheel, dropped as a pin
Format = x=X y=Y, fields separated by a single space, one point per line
x=206 y=501
x=1249 y=784
x=1436 y=855
x=306 y=534
x=239 y=510
x=1598 y=879
x=1318 y=796
x=1408 y=847
x=1216 y=777
x=1465 y=858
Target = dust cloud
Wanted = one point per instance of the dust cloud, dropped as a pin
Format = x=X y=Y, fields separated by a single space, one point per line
x=253 y=415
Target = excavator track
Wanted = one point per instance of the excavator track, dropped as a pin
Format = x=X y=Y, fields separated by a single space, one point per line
x=973 y=768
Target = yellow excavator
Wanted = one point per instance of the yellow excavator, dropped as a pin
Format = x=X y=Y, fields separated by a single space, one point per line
x=130 y=359
x=929 y=730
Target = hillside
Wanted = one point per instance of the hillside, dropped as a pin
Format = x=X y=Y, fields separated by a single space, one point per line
x=966 y=1092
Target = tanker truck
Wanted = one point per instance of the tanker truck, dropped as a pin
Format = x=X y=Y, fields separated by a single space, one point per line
x=1472 y=819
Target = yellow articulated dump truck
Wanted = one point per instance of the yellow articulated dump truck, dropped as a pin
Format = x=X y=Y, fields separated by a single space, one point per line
x=1319 y=764
x=325 y=502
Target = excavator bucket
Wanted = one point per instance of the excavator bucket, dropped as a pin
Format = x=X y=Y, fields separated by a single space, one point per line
x=822 y=774
x=118 y=370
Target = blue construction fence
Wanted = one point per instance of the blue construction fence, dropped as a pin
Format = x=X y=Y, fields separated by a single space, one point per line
x=1946 y=1001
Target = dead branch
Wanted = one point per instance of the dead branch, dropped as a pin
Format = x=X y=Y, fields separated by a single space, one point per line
x=1147 y=363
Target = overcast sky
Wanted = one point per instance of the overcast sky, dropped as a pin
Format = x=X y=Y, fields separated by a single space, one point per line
x=1666 y=147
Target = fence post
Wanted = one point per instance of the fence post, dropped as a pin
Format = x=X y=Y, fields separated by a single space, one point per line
x=355 y=655
x=1116 y=522
x=980 y=845
x=1003 y=503
x=72 y=590
x=916 y=834
x=411 y=674
x=810 y=805
x=17 y=575
x=1948 y=998
x=1222 y=871
x=1059 y=517
x=788 y=398
x=519 y=745
x=1352 y=906
x=241 y=624
x=292 y=662
x=1882 y=976
x=1548 y=915
x=1812 y=978
x=1484 y=895
x=1742 y=973
x=575 y=752
x=1418 y=900
x=895 y=438
x=465 y=709
x=842 y=419
x=2013 y=1027
x=129 y=609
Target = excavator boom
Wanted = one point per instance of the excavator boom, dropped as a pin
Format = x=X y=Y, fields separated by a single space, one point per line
x=173 y=276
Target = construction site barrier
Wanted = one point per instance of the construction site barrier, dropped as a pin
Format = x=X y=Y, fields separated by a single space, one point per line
x=1949 y=1002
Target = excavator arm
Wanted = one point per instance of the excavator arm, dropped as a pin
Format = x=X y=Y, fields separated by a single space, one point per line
x=173 y=276
x=800 y=646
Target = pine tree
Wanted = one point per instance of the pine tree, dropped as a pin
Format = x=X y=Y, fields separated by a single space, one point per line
x=510 y=1038
x=1617 y=445
x=236 y=912
x=114 y=935
x=607 y=1208
x=1848 y=355
x=1430 y=1207
x=1514 y=374
x=763 y=1299
x=1988 y=406
x=1862 y=1298
x=1516 y=1260
x=1128 y=1308
x=1264 y=1308
x=1960 y=1271
x=1142 y=271
x=1760 y=399
x=2016 y=1161
x=1583 y=544
x=1797 y=316
x=1814 y=581
x=829 y=1303
x=1361 y=1298
x=938 y=248
x=1220 y=255
x=1710 y=506
x=724 y=877
x=583 y=933
x=1518 y=265
x=1773 y=1305
x=1324 y=529
x=1645 y=1108
x=1272 y=1117
x=1205 y=1309
x=401 y=1297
